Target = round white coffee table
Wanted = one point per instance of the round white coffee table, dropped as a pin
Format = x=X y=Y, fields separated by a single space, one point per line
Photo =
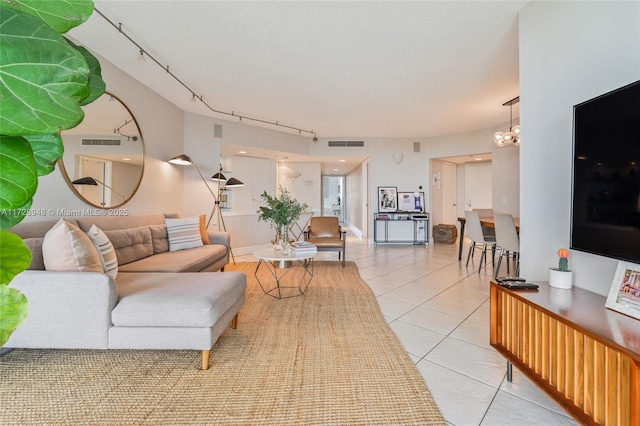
x=290 y=274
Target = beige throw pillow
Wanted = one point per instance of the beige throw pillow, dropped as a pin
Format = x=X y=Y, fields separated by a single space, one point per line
x=106 y=251
x=66 y=248
x=184 y=233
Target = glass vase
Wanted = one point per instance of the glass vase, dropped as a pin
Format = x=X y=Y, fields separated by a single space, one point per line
x=277 y=242
x=284 y=241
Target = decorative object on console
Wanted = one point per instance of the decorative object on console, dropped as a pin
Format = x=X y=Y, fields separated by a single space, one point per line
x=411 y=201
x=561 y=277
x=282 y=212
x=387 y=198
x=624 y=295
x=512 y=137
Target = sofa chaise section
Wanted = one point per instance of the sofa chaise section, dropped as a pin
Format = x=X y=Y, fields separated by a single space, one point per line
x=89 y=310
x=160 y=299
x=175 y=310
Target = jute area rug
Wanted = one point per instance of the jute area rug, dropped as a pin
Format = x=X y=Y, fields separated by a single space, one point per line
x=326 y=358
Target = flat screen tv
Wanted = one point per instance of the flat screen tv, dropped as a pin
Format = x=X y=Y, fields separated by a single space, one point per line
x=606 y=180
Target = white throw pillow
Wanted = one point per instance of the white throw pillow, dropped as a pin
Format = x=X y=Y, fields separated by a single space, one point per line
x=183 y=233
x=107 y=253
x=66 y=248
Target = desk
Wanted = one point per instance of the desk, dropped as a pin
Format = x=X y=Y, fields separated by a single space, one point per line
x=484 y=221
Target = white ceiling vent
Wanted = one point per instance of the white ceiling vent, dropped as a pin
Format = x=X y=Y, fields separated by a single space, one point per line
x=345 y=144
x=102 y=142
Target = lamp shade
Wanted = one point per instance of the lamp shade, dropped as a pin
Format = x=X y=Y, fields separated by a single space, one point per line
x=87 y=180
x=233 y=183
x=218 y=176
x=181 y=160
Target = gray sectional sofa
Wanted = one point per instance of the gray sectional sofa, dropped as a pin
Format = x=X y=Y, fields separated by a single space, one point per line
x=160 y=299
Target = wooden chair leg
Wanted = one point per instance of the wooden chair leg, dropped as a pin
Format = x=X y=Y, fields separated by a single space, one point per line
x=234 y=322
x=205 y=359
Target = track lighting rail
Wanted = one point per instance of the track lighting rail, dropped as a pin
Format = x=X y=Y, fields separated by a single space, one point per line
x=193 y=93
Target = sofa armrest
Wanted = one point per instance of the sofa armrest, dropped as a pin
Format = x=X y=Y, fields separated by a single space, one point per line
x=66 y=309
x=223 y=238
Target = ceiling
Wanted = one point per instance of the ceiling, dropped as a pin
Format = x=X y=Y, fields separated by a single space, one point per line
x=338 y=68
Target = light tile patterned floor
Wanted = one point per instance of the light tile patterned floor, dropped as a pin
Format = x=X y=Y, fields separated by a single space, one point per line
x=439 y=309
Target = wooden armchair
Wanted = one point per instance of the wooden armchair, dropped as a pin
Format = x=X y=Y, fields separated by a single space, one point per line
x=327 y=235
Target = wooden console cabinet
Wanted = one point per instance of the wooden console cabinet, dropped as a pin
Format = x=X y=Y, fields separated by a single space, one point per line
x=585 y=356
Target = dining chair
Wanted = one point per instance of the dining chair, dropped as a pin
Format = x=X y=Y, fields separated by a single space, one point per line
x=477 y=237
x=508 y=241
x=488 y=231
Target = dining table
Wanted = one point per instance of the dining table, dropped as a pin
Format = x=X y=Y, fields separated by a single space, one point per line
x=484 y=221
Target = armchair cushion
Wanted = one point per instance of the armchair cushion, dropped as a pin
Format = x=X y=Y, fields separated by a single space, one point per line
x=324 y=227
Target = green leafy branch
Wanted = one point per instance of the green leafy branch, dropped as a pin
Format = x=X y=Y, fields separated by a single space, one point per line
x=281 y=211
x=45 y=79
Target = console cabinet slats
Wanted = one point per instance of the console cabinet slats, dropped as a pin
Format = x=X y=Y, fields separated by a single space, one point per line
x=583 y=355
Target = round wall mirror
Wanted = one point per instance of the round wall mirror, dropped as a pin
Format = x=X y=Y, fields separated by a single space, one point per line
x=103 y=157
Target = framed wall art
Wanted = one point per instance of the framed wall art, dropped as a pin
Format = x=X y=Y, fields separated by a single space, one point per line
x=410 y=202
x=624 y=294
x=387 y=199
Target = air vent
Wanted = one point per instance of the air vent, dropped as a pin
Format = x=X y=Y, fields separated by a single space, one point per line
x=102 y=142
x=345 y=144
x=416 y=147
x=217 y=130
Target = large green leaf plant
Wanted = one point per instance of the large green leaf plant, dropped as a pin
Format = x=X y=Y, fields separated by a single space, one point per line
x=45 y=80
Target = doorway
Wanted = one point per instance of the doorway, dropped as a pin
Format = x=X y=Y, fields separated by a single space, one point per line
x=478 y=186
x=333 y=200
x=449 y=213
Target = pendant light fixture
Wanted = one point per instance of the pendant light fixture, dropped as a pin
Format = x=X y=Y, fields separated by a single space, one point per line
x=512 y=137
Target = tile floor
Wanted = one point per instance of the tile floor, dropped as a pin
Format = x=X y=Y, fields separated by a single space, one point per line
x=439 y=309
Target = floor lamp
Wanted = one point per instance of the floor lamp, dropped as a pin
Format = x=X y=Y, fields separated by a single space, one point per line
x=185 y=160
x=88 y=180
x=228 y=183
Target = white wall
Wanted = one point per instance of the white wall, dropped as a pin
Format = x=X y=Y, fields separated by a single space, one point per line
x=355 y=184
x=505 y=165
x=303 y=181
x=161 y=124
x=569 y=52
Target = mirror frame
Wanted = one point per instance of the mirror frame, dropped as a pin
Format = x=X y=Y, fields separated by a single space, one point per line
x=68 y=180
